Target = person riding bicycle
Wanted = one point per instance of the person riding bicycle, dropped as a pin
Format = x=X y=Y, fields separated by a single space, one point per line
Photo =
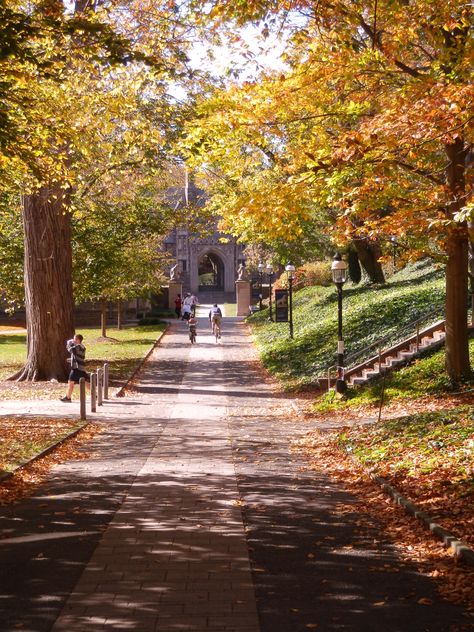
x=192 y=324
x=215 y=317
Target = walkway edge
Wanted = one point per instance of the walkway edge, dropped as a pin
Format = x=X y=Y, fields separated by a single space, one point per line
x=43 y=453
x=138 y=368
x=460 y=549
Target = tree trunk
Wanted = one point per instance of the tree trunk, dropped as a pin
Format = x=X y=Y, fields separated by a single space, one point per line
x=119 y=315
x=369 y=253
x=103 y=318
x=48 y=285
x=471 y=274
x=457 y=338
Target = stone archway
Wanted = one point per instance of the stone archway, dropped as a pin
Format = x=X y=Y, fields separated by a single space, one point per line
x=211 y=272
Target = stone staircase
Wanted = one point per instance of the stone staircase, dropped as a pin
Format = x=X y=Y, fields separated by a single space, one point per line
x=391 y=358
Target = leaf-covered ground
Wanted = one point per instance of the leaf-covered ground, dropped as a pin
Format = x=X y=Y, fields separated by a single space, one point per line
x=27 y=478
x=22 y=437
x=412 y=541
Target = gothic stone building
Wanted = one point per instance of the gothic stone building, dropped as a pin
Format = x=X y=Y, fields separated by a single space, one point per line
x=205 y=263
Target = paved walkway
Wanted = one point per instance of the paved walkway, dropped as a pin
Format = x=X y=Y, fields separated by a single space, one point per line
x=191 y=514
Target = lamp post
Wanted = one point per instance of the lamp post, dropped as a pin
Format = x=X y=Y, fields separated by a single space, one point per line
x=269 y=270
x=339 y=276
x=261 y=268
x=290 y=270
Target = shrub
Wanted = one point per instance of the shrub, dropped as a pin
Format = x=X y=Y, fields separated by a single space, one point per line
x=151 y=320
x=314 y=273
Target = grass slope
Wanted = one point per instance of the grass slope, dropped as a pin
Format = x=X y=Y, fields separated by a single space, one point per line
x=369 y=313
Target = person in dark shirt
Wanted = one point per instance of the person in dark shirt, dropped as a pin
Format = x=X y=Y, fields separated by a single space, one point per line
x=78 y=364
x=177 y=306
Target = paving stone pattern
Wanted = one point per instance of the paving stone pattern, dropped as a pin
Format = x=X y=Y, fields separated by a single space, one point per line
x=192 y=514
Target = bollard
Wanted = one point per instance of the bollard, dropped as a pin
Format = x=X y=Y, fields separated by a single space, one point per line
x=99 y=387
x=93 y=392
x=82 y=397
x=106 y=380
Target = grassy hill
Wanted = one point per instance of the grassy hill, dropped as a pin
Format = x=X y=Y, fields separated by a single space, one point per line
x=369 y=313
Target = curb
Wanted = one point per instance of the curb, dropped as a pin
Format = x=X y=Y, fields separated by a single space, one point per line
x=43 y=453
x=138 y=368
x=458 y=547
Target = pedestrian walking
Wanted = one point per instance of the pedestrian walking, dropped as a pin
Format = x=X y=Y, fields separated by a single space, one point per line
x=194 y=302
x=177 y=305
x=78 y=365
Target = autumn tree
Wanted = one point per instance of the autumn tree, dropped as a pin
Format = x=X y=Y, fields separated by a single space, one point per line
x=94 y=90
x=371 y=123
x=118 y=249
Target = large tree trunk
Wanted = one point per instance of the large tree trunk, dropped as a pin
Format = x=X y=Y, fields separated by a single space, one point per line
x=457 y=339
x=369 y=253
x=48 y=284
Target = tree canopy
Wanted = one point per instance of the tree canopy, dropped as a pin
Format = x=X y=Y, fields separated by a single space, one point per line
x=366 y=134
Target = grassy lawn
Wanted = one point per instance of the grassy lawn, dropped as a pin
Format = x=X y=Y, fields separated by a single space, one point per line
x=123 y=349
x=370 y=313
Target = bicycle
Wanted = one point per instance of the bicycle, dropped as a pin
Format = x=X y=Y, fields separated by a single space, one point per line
x=216 y=329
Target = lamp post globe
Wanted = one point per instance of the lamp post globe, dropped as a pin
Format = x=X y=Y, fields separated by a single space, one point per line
x=290 y=270
x=269 y=270
x=339 y=277
x=261 y=268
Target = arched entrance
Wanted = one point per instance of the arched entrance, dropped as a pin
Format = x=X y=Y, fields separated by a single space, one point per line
x=211 y=272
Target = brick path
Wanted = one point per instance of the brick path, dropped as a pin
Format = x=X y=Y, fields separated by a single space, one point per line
x=147 y=533
x=174 y=557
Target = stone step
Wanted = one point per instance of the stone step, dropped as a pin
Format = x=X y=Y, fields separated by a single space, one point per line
x=391 y=362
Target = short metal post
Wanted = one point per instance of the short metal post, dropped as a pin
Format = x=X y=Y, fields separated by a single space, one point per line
x=106 y=380
x=93 y=392
x=82 y=397
x=99 y=386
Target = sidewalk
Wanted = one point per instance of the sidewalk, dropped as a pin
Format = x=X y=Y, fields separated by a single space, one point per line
x=191 y=514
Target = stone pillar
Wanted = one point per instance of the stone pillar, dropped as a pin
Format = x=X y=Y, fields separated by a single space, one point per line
x=174 y=288
x=242 y=290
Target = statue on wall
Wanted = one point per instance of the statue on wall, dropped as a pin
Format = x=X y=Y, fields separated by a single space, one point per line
x=242 y=275
x=174 y=273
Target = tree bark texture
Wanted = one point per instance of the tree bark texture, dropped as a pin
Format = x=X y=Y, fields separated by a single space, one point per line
x=103 y=318
x=457 y=339
x=48 y=284
x=369 y=253
x=119 y=315
x=457 y=277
